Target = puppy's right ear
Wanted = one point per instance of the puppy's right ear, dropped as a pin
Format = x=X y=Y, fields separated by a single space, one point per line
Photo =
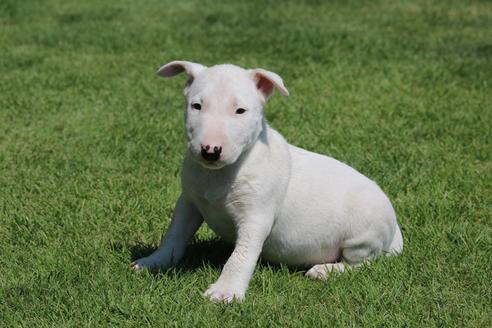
x=178 y=66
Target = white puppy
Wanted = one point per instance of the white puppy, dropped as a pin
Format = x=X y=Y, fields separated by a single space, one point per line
x=263 y=195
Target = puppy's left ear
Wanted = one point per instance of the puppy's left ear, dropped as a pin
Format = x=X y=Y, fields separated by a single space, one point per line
x=266 y=81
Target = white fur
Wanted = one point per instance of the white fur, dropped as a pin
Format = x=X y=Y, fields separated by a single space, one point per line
x=265 y=196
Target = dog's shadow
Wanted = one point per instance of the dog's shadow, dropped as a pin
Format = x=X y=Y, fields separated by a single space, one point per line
x=200 y=253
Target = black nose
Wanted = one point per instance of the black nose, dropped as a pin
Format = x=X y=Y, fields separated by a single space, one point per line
x=211 y=156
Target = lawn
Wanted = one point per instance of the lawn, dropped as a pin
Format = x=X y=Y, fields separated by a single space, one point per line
x=91 y=142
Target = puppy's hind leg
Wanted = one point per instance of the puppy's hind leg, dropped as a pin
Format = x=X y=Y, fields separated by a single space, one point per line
x=353 y=256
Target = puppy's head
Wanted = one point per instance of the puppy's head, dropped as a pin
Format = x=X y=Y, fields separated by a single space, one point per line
x=224 y=109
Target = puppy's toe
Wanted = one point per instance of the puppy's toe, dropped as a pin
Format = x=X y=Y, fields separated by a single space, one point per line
x=217 y=293
x=321 y=271
x=317 y=272
x=135 y=266
x=145 y=262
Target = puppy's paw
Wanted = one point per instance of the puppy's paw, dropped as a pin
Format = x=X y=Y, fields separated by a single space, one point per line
x=221 y=293
x=321 y=271
x=148 y=262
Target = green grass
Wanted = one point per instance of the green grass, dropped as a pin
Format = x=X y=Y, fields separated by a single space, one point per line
x=91 y=142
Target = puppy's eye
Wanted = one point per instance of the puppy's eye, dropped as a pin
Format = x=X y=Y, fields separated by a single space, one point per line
x=240 y=111
x=196 y=106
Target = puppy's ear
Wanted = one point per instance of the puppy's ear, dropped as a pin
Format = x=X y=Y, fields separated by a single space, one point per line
x=266 y=81
x=178 y=66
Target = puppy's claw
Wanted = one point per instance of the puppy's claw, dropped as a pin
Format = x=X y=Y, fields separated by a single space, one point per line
x=135 y=266
x=149 y=262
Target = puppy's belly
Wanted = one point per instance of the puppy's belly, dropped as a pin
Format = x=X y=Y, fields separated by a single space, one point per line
x=294 y=253
x=289 y=243
x=294 y=246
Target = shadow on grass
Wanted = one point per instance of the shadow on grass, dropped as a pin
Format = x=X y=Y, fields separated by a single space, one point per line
x=200 y=253
x=485 y=50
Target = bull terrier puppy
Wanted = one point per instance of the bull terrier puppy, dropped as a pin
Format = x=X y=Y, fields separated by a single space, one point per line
x=262 y=194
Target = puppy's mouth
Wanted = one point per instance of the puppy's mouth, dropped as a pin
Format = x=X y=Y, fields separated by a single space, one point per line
x=210 y=165
x=216 y=165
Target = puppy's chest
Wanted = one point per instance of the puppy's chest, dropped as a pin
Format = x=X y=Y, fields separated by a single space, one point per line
x=223 y=204
x=230 y=200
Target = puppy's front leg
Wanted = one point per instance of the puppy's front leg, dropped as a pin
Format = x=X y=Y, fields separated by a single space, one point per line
x=185 y=222
x=237 y=271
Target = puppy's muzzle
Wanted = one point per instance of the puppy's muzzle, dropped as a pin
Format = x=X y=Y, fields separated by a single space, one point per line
x=209 y=154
